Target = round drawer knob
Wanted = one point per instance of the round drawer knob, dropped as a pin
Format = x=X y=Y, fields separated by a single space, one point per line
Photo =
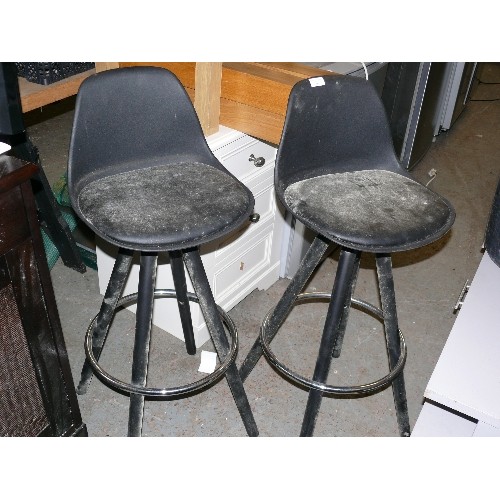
x=258 y=162
x=255 y=217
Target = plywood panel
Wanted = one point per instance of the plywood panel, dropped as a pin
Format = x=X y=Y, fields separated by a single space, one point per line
x=35 y=96
x=252 y=121
x=104 y=66
x=253 y=96
x=207 y=95
x=185 y=71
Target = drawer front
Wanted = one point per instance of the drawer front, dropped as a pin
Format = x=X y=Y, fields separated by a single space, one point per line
x=236 y=157
x=13 y=223
x=264 y=206
x=243 y=270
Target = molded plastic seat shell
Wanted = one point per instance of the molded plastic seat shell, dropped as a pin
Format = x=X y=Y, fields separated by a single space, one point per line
x=171 y=206
x=337 y=172
x=373 y=210
x=140 y=172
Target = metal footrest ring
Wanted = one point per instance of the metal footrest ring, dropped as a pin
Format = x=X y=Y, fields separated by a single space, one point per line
x=311 y=384
x=173 y=391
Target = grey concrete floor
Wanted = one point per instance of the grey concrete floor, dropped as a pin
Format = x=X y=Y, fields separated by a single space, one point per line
x=428 y=282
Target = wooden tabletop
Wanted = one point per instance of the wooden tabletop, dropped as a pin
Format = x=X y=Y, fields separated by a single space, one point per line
x=14 y=171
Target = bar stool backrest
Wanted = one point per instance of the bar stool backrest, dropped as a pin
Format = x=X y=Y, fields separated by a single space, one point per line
x=129 y=118
x=333 y=124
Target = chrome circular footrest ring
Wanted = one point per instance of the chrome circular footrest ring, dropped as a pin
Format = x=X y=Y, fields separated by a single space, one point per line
x=330 y=389
x=159 y=392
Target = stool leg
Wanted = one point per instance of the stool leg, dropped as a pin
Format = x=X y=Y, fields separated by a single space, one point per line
x=147 y=274
x=182 y=300
x=388 y=300
x=341 y=295
x=309 y=263
x=347 y=308
x=208 y=307
x=113 y=293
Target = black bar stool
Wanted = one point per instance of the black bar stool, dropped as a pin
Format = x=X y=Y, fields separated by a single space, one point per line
x=336 y=171
x=141 y=176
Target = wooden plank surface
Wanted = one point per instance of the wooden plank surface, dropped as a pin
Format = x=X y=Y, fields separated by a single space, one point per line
x=207 y=95
x=104 y=66
x=184 y=71
x=35 y=96
x=251 y=121
x=253 y=95
x=258 y=87
x=296 y=69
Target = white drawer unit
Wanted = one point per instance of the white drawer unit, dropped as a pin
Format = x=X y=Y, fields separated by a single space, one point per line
x=248 y=259
x=462 y=397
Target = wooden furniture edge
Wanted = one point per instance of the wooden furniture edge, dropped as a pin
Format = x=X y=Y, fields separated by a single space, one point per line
x=248 y=96
x=207 y=95
x=34 y=95
x=253 y=95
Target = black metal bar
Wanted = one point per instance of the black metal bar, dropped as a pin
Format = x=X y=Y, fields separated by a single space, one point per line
x=345 y=316
x=208 y=307
x=55 y=225
x=144 y=315
x=114 y=291
x=182 y=300
x=348 y=262
x=13 y=130
x=49 y=213
x=388 y=300
x=309 y=263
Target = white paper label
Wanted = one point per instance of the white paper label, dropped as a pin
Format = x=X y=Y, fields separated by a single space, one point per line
x=208 y=362
x=317 y=81
x=4 y=147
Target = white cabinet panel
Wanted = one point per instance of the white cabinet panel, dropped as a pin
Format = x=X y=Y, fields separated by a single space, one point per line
x=466 y=378
x=467 y=375
x=434 y=421
x=235 y=275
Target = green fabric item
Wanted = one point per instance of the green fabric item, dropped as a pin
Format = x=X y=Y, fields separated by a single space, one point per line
x=60 y=190
x=51 y=251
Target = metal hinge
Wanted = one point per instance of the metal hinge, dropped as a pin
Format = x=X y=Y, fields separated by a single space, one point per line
x=461 y=297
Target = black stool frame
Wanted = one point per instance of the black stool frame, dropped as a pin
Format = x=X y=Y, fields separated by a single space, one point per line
x=337 y=172
x=214 y=317
x=142 y=176
x=333 y=333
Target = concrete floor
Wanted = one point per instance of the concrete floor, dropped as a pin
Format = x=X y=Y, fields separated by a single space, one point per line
x=428 y=282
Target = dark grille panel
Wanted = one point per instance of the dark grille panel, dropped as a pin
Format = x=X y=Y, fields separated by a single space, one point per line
x=21 y=408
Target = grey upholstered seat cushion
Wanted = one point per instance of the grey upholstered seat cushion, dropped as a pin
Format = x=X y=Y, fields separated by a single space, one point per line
x=374 y=210
x=164 y=207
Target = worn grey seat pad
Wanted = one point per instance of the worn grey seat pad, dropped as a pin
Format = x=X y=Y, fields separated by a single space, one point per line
x=163 y=205
x=370 y=209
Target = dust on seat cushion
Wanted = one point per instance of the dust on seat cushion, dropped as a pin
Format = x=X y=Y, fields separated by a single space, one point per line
x=162 y=205
x=369 y=209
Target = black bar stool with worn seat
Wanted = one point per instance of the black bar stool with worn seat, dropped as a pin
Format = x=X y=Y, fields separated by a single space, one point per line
x=336 y=171
x=142 y=177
